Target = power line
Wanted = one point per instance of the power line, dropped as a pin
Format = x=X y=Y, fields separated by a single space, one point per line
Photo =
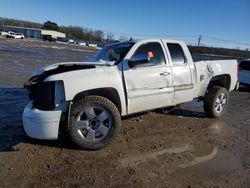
x=186 y=38
x=227 y=41
x=149 y=35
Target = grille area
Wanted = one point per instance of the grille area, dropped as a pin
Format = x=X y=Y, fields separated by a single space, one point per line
x=43 y=95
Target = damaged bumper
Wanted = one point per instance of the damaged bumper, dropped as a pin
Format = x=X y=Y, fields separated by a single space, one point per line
x=41 y=124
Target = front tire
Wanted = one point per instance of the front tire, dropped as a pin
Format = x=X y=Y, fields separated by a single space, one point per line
x=94 y=122
x=216 y=102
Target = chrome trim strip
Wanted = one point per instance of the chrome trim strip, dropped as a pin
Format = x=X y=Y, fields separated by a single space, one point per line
x=149 y=92
x=183 y=87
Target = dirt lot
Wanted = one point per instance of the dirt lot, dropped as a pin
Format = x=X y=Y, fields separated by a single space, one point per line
x=180 y=149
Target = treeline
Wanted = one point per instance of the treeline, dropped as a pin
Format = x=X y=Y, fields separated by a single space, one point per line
x=20 y=23
x=79 y=33
x=72 y=32
x=219 y=51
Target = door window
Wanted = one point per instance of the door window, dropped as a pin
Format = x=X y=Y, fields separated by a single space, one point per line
x=154 y=52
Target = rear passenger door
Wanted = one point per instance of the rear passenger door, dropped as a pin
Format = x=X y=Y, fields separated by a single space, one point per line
x=181 y=71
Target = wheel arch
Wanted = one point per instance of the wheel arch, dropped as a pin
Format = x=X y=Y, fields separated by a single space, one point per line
x=223 y=80
x=108 y=92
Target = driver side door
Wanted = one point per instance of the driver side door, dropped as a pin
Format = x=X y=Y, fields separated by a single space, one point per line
x=149 y=85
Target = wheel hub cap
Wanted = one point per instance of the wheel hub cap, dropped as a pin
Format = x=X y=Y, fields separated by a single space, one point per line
x=220 y=103
x=93 y=124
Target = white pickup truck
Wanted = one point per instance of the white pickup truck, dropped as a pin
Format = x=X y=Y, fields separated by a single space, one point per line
x=8 y=34
x=11 y=34
x=89 y=98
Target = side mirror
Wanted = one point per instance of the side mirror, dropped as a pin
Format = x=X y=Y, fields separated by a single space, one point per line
x=138 y=60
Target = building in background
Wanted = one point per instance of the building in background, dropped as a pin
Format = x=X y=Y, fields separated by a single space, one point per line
x=52 y=35
x=35 y=33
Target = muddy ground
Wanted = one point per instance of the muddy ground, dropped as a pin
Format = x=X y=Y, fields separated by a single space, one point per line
x=179 y=149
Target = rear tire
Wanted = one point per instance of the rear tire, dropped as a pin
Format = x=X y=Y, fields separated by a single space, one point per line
x=216 y=102
x=94 y=122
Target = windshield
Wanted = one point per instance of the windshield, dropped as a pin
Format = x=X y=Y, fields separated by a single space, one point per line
x=114 y=52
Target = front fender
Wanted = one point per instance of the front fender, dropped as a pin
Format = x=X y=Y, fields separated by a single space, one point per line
x=79 y=81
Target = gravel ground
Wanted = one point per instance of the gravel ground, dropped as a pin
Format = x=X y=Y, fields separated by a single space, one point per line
x=178 y=149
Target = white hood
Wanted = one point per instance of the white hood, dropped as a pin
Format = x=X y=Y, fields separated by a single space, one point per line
x=56 y=65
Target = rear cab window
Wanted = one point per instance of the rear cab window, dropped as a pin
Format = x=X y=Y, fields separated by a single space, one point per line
x=176 y=53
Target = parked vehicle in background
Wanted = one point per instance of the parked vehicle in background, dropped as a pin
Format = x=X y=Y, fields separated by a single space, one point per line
x=63 y=40
x=48 y=38
x=244 y=72
x=19 y=36
x=92 y=45
x=89 y=98
x=71 y=41
x=2 y=33
x=11 y=34
x=8 y=34
x=82 y=43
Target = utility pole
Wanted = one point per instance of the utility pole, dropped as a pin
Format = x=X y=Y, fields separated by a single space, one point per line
x=199 y=41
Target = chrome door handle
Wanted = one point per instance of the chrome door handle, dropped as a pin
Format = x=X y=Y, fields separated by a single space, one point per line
x=165 y=73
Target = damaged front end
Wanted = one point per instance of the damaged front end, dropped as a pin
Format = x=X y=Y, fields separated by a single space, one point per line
x=45 y=95
x=45 y=112
x=47 y=109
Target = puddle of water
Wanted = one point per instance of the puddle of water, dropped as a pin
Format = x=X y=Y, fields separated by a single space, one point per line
x=207 y=160
x=201 y=154
x=200 y=151
x=136 y=160
x=224 y=162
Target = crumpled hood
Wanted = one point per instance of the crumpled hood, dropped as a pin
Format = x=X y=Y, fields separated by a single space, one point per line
x=68 y=66
x=41 y=74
